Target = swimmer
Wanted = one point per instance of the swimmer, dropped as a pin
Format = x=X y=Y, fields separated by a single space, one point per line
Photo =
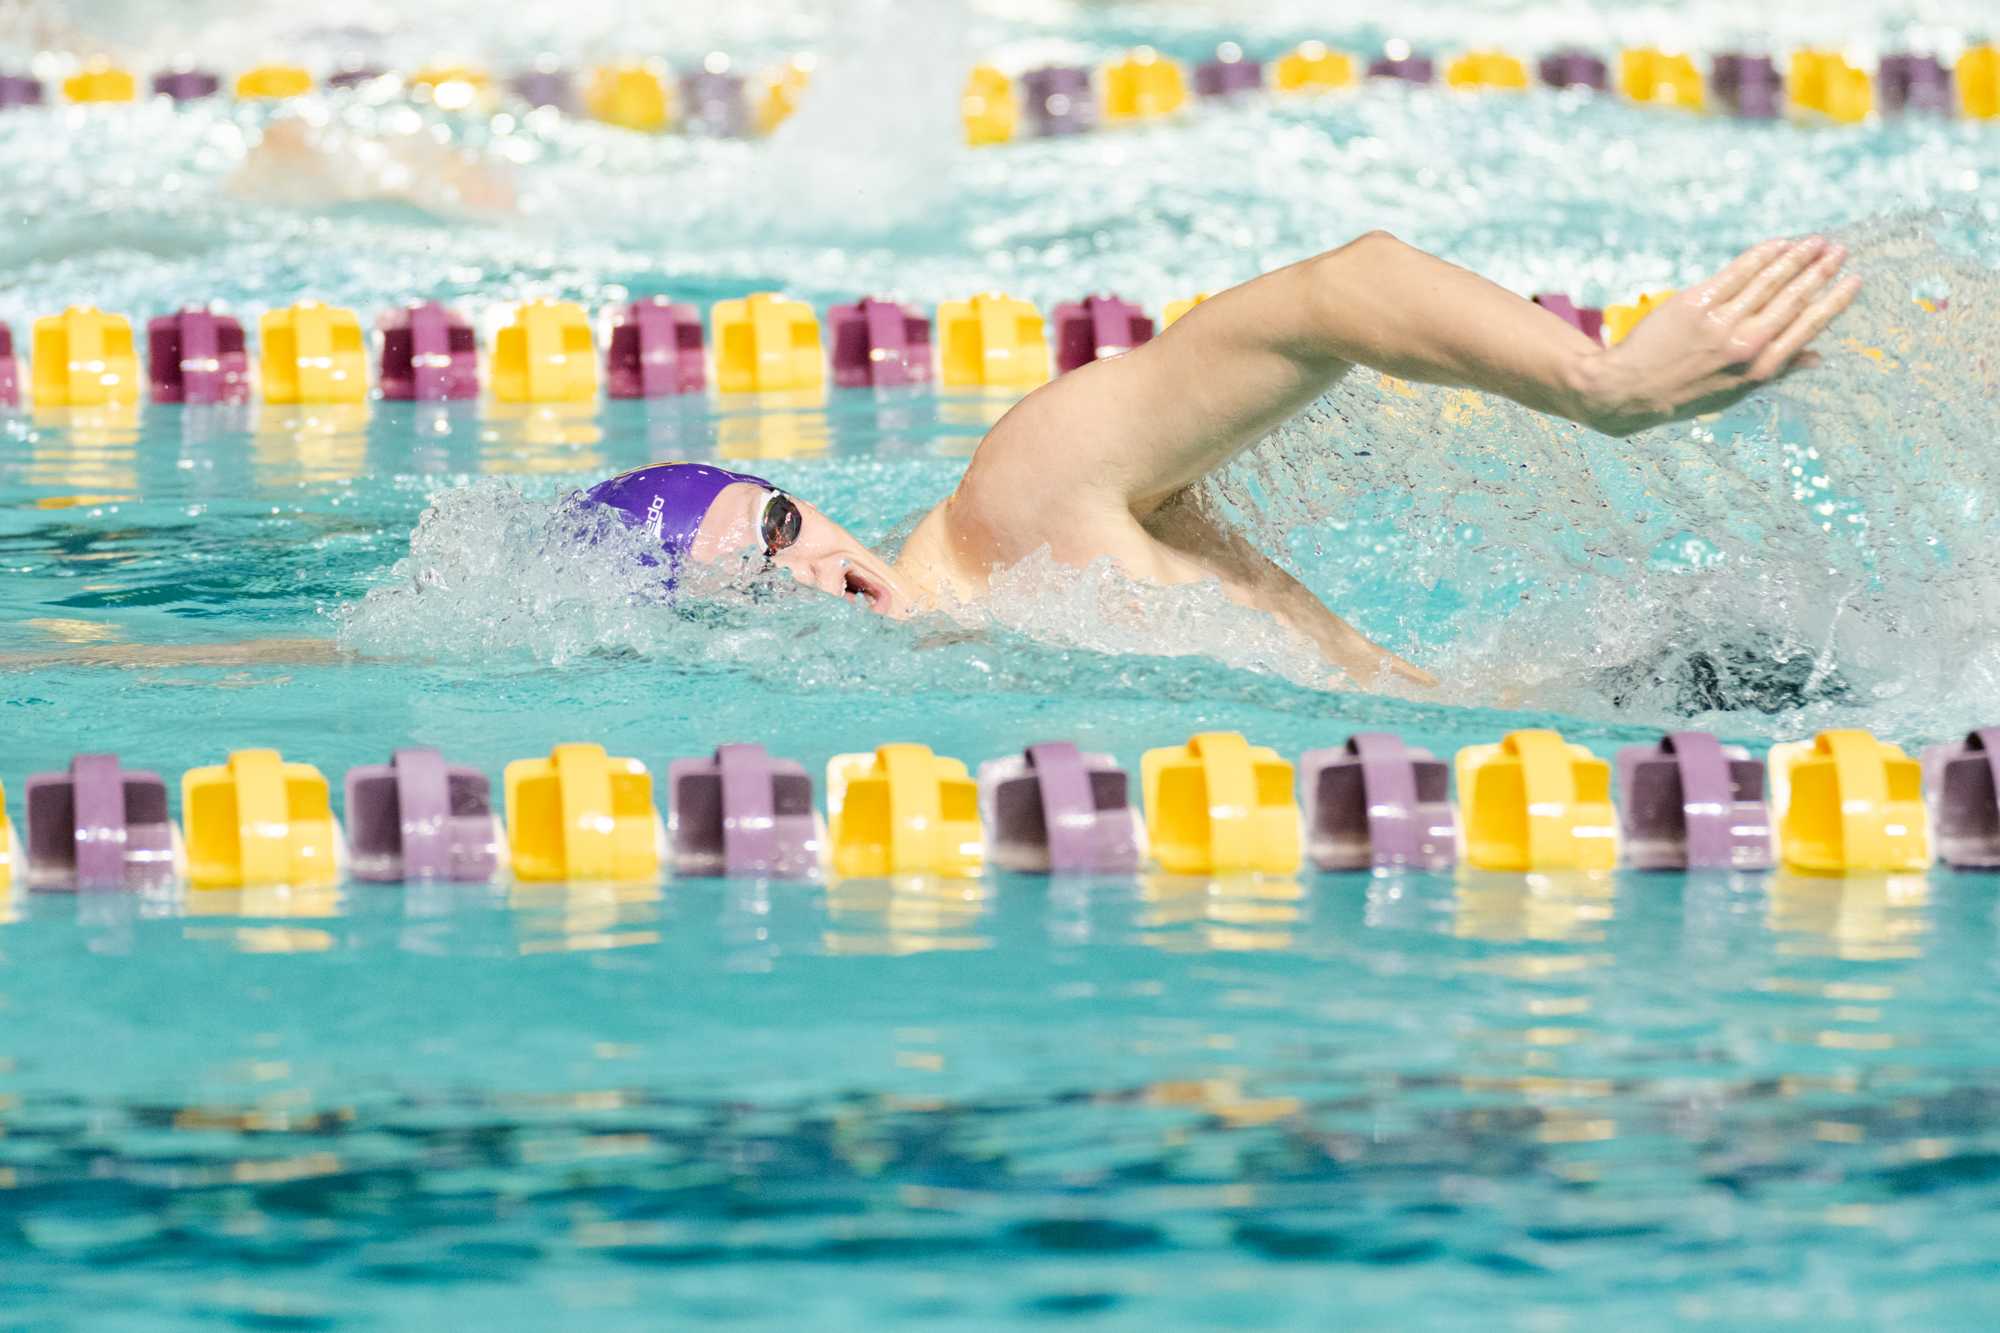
x=1099 y=463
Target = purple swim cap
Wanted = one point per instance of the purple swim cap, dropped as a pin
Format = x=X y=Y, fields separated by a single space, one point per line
x=669 y=500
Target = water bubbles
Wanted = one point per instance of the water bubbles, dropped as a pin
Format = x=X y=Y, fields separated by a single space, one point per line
x=1101 y=609
x=498 y=577
x=491 y=572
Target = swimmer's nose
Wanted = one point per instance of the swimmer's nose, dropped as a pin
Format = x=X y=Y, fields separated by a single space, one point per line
x=820 y=573
x=840 y=576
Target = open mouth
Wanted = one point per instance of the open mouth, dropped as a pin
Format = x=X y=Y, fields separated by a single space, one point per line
x=859 y=588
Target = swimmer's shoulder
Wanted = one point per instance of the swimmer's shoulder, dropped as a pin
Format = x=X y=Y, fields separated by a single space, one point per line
x=935 y=564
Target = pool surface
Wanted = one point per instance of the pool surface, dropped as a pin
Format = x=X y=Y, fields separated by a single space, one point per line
x=1410 y=1100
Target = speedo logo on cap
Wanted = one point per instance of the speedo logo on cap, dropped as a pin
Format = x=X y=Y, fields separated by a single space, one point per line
x=656 y=515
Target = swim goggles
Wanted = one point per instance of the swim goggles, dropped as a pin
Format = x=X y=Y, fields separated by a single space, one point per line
x=779 y=522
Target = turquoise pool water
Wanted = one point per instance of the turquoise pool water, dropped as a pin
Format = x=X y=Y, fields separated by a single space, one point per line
x=1411 y=1100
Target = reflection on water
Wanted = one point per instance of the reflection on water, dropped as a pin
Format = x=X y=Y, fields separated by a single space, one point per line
x=326 y=442
x=541 y=437
x=273 y=902
x=1228 y=914
x=75 y=633
x=1879 y=925
x=966 y=416
x=265 y=939
x=1570 y=908
x=1224 y=1098
x=905 y=914
x=201 y=425
x=1863 y=918
x=573 y=918
x=1860 y=919
x=772 y=425
x=88 y=453
x=425 y=439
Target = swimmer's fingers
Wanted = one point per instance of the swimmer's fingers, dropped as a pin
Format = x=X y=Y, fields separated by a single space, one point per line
x=1791 y=300
x=1788 y=350
x=1388 y=664
x=1770 y=280
x=1416 y=675
x=1737 y=274
x=1366 y=666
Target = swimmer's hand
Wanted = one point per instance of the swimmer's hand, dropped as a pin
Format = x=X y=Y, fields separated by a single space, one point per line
x=1715 y=343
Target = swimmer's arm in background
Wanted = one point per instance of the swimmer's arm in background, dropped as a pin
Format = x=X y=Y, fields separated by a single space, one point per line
x=1136 y=428
x=250 y=652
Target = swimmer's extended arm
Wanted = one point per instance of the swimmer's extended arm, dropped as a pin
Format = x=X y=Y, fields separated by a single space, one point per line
x=1136 y=428
x=1082 y=464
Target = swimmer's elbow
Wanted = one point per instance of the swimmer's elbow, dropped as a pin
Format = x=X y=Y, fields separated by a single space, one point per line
x=1364 y=252
x=1343 y=285
x=1375 y=239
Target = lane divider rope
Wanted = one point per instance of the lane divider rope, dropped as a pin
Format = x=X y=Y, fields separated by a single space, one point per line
x=1842 y=803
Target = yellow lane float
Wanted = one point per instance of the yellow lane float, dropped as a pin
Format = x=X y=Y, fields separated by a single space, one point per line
x=312 y=353
x=83 y=358
x=1219 y=806
x=1312 y=67
x=992 y=341
x=1978 y=81
x=1848 y=802
x=902 y=811
x=1486 y=69
x=582 y=815
x=1534 y=802
x=633 y=97
x=778 y=93
x=1175 y=309
x=1825 y=83
x=258 y=822
x=453 y=87
x=1620 y=320
x=989 y=108
x=270 y=83
x=766 y=343
x=101 y=81
x=545 y=355
x=1143 y=86
x=1663 y=78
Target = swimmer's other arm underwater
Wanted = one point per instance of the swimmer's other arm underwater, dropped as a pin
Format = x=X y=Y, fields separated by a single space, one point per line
x=1095 y=464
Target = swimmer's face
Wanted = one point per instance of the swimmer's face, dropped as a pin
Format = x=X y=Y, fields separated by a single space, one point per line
x=824 y=556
